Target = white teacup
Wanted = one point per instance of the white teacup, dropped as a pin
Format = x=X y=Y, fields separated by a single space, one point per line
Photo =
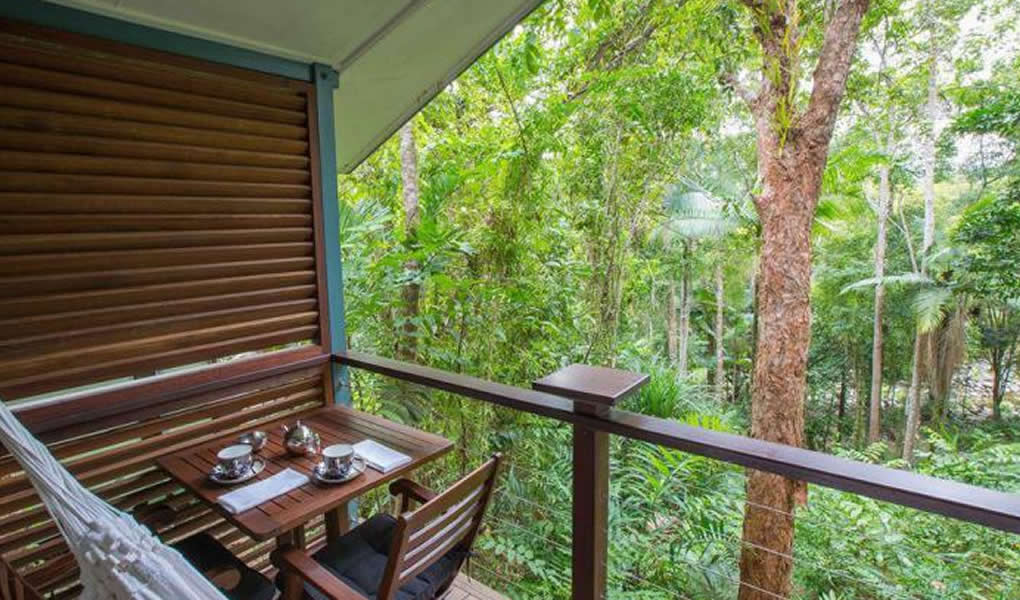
x=337 y=460
x=235 y=460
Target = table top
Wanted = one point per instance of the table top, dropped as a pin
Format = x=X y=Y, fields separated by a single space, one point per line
x=335 y=425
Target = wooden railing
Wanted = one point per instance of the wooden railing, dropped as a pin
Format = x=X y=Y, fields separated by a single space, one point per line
x=964 y=502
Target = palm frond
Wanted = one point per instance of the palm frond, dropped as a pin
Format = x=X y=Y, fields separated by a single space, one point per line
x=890 y=280
x=693 y=215
x=931 y=305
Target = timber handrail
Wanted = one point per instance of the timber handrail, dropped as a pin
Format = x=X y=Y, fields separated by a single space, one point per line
x=965 y=502
x=151 y=394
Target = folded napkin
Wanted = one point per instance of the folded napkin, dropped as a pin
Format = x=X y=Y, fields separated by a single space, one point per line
x=254 y=494
x=380 y=457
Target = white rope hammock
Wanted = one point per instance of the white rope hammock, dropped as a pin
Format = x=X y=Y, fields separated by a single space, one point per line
x=118 y=558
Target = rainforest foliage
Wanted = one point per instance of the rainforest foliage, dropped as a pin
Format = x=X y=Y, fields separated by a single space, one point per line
x=586 y=192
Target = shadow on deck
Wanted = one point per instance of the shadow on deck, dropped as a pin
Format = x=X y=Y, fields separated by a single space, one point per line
x=465 y=588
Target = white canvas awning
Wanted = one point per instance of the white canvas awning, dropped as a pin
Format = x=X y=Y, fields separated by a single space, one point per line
x=393 y=55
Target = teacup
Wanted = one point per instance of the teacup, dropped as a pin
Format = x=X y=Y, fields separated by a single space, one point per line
x=337 y=460
x=235 y=460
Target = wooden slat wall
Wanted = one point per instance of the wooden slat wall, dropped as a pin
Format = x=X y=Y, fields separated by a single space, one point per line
x=116 y=459
x=155 y=211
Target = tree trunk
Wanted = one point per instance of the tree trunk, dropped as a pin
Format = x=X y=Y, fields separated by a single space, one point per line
x=792 y=151
x=778 y=383
x=996 y=391
x=882 y=214
x=720 y=350
x=411 y=292
x=671 y=325
x=913 y=419
x=685 y=315
x=928 y=157
x=842 y=396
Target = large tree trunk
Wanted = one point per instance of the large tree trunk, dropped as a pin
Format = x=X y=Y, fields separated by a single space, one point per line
x=410 y=295
x=720 y=350
x=779 y=383
x=685 y=315
x=792 y=152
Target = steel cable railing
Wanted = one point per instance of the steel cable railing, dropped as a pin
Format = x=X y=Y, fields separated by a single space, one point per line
x=521 y=512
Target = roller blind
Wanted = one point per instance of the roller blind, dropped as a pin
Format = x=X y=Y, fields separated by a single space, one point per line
x=155 y=211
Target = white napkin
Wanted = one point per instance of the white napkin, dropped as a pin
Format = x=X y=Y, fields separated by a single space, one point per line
x=254 y=494
x=379 y=457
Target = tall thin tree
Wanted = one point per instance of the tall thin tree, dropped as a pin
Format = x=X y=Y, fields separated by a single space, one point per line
x=922 y=341
x=410 y=294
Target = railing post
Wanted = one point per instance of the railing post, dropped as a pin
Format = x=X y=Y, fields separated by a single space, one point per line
x=591 y=514
x=326 y=80
x=594 y=391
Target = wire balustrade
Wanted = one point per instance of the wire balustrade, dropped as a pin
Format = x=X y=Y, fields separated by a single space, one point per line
x=530 y=519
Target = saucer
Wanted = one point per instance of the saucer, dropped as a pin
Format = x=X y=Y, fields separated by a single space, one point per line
x=218 y=476
x=357 y=468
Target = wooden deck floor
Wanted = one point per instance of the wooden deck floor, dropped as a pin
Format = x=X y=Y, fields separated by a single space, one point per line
x=465 y=588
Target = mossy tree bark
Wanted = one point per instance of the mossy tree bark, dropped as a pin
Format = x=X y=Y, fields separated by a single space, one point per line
x=793 y=147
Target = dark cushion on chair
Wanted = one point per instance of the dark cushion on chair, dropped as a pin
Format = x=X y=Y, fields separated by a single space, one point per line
x=359 y=559
x=204 y=552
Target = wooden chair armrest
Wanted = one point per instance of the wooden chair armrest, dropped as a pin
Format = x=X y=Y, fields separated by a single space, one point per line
x=409 y=489
x=296 y=562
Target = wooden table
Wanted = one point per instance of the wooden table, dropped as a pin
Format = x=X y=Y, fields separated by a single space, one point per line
x=284 y=517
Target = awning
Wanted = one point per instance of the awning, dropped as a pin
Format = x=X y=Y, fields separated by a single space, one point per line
x=393 y=55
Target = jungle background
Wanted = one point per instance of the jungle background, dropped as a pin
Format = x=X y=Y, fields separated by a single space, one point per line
x=584 y=193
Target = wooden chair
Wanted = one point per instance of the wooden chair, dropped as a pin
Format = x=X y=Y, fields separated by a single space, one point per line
x=414 y=556
x=230 y=574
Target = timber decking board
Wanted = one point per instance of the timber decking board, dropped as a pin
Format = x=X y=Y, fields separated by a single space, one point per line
x=466 y=588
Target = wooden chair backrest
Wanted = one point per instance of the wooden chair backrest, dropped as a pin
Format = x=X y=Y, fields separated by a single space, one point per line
x=13 y=585
x=450 y=520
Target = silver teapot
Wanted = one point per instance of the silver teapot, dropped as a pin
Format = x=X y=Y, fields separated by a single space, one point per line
x=300 y=440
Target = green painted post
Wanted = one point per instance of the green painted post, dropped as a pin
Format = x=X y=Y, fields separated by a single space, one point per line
x=326 y=80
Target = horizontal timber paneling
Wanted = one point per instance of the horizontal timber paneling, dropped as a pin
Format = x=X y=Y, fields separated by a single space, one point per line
x=155 y=211
x=114 y=454
x=38 y=141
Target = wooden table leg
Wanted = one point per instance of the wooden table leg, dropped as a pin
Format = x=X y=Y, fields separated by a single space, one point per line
x=338 y=522
x=295 y=537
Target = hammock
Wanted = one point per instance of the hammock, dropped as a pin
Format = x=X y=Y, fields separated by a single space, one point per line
x=118 y=558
